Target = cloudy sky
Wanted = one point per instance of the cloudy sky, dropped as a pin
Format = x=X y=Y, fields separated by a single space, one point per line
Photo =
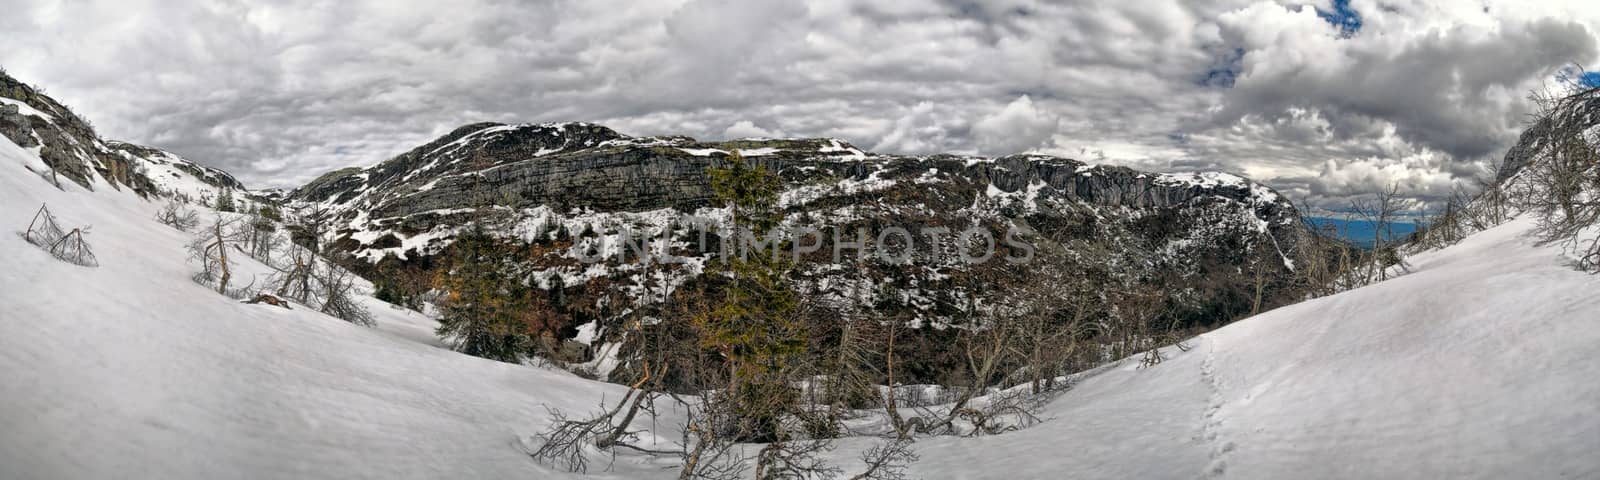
x=1321 y=100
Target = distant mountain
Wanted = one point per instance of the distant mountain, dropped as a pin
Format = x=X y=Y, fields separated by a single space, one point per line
x=1359 y=232
x=572 y=188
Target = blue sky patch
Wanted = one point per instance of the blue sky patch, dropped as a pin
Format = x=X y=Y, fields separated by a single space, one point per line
x=1342 y=17
x=1224 y=70
x=1589 y=80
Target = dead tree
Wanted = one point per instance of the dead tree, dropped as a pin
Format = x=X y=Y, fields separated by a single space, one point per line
x=1381 y=212
x=887 y=460
x=258 y=234
x=73 y=249
x=210 y=247
x=174 y=214
x=70 y=246
x=294 y=281
x=44 y=232
x=987 y=346
x=794 y=459
x=565 y=443
x=1566 y=176
x=43 y=229
x=708 y=454
x=338 y=295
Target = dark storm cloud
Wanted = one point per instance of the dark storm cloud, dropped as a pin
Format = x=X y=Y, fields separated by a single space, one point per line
x=1421 y=93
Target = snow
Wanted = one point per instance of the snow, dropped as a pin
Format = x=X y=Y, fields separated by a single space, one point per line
x=758 y=152
x=1201 y=179
x=747 y=152
x=842 y=150
x=25 y=109
x=849 y=186
x=1478 y=363
x=163 y=172
x=130 y=370
x=1259 y=194
x=1028 y=196
x=702 y=152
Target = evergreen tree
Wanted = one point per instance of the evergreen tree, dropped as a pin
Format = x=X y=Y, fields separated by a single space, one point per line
x=482 y=309
x=225 y=201
x=752 y=323
x=386 y=285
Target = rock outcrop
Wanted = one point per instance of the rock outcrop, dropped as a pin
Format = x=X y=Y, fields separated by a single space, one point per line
x=1209 y=238
x=73 y=152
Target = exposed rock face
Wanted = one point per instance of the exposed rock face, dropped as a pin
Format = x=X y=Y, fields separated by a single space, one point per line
x=72 y=151
x=1196 y=235
x=68 y=145
x=582 y=166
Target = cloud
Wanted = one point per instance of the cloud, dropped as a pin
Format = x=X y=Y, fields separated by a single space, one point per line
x=1445 y=87
x=922 y=129
x=278 y=92
x=1017 y=128
x=746 y=129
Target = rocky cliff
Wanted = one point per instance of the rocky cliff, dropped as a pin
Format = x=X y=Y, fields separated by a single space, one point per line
x=75 y=155
x=577 y=190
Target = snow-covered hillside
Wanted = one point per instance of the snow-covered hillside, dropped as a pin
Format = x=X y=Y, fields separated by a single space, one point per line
x=1479 y=363
x=175 y=175
x=131 y=370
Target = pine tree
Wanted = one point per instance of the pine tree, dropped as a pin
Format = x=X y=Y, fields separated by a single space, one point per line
x=225 y=201
x=386 y=285
x=752 y=325
x=482 y=310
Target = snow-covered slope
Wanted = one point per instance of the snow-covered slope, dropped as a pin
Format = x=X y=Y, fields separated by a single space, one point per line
x=1480 y=363
x=131 y=370
x=174 y=175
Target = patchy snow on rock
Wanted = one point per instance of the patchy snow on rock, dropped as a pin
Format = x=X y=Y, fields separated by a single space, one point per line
x=1201 y=179
x=801 y=195
x=164 y=171
x=25 y=109
x=842 y=151
x=758 y=152
x=702 y=152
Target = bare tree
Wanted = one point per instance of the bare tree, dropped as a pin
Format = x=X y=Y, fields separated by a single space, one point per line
x=43 y=230
x=708 y=454
x=887 y=460
x=1381 y=211
x=258 y=235
x=1566 y=176
x=210 y=248
x=68 y=246
x=174 y=214
x=989 y=344
x=338 y=295
x=566 y=442
x=1046 y=331
x=294 y=281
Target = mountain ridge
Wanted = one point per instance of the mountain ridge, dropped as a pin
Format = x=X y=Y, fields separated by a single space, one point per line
x=69 y=148
x=569 y=188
